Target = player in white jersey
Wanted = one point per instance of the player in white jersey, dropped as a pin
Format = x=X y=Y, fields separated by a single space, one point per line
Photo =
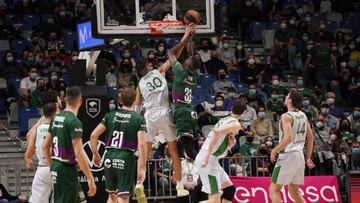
x=153 y=94
x=294 y=132
x=41 y=188
x=220 y=140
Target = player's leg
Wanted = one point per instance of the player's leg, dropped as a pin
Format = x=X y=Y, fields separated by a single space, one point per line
x=42 y=184
x=65 y=180
x=275 y=192
x=214 y=198
x=113 y=198
x=123 y=198
x=226 y=186
x=110 y=178
x=295 y=194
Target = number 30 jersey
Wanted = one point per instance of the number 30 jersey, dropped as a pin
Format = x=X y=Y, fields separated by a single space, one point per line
x=122 y=129
x=184 y=82
x=299 y=122
x=154 y=90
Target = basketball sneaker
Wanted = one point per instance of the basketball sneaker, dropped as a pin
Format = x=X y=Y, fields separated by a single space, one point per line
x=181 y=192
x=139 y=193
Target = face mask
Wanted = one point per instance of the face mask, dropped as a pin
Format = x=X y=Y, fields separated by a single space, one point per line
x=352 y=46
x=319 y=125
x=62 y=51
x=274 y=97
x=205 y=47
x=263 y=151
x=45 y=71
x=239 y=47
x=219 y=103
x=252 y=91
x=292 y=22
x=54 y=77
x=355 y=150
x=214 y=58
x=200 y=143
x=41 y=88
x=222 y=76
x=307 y=19
x=231 y=94
x=322 y=26
x=62 y=13
x=74 y=58
x=161 y=49
x=330 y=101
x=250 y=139
x=334 y=48
x=300 y=82
x=151 y=56
x=251 y=61
x=318 y=92
x=269 y=143
x=127 y=55
x=343 y=64
x=33 y=76
x=325 y=111
x=356 y=114
x=30 y=59
x=261 y=114
x=305 y=38
x=112 y=106
x=10 y=59
x=248 y=3
x=275 y=82
x=226 y=45
x=333 y=137
x=283 y=25
x=309 y=47
x=306 y=103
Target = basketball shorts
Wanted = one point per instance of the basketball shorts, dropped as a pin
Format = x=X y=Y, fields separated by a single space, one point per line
x=119 y=170
x=186 y=120
x=289 y=169
x=41 y=188
x=160 y=120
x=212 y=176
x=66 y=183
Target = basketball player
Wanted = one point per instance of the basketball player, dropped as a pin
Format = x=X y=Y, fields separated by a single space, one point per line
x=126 y=131
x=42 y=184
x=153 y=90
x=294 y=131
x=216 y=146
x=64 y=136
x=185 y=116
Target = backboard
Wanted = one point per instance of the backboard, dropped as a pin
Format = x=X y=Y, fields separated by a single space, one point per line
x=133 y=18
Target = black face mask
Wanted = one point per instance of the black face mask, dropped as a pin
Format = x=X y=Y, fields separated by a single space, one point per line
x=318 y=92
x=41 y=88
x=250 y=139
x=205 y=47
x=214 y=58
x=263 y=151
x=222 y=76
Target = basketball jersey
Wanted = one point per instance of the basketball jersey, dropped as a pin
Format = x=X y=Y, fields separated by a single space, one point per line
x=183 y=84
x=298 y=126
x=153 y=88
x=40 y=136
x=122 y=129
x=221 y=147
x=64 y=127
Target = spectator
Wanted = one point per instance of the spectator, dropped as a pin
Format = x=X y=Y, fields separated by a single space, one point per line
x=321 y=131
x=250 y=72
x=333 y=109
x=236 y=165
x=312 y=27
x=111 y=79
x=275 y=86
x=354 y=87
x=53 y=82
x=261 y=126
x=323 y=32
x=8 y=67
x=240 y=53
x=320 y=56
x=219 y=110
x=214 y=64
x=301 y=86
x=262 y=160
x=249 y=113
x=200 y=142
x=152 y=58
x=355 y=152
x=330 y=120
x=112 y=105
x=36 y=97
x=318 y=97
x=189 y=174
x=24 y=7
x=205 y=51
x=248 y=12
x=248 y=148
x=354 y=119
x=222 y=84
x=274 y=104
x=274 y=68
x=345 y=131
x=310 y=110
x=161 y=52
x=28 y=84
x=284 y=38
x=226 y=54
x=325 y=6
x=269 y=141
x=5 y=196
x=255 y=97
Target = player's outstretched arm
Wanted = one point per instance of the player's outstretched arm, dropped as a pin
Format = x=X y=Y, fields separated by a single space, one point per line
x=138 y=101
x=84 y=167
x=287 y=137
x=47 y=148
x=141 y=166
x=99 y=130
x=309 y=146
x=30 y=150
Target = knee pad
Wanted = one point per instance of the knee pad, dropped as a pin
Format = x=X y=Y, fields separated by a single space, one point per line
x=229 y=193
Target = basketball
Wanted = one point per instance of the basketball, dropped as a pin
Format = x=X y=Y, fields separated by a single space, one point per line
x=192 y=16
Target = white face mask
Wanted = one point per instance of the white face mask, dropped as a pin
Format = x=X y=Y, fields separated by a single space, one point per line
x=10 y=59
x=226 y=45
x=307 y=19
x=283 y=25
x=74 y=58
x=275 y=82
x=161 y=49
x=261 y=114
x=343 y=64
x=219 y=103
x=251 y=61
x=330 y=101
x=333 y=137
x=292 y=22
x=239 y=47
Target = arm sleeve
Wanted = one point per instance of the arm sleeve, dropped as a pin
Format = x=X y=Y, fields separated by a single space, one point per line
x=76 y=129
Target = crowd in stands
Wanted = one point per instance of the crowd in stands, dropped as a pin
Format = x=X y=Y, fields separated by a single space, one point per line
x=309 y=53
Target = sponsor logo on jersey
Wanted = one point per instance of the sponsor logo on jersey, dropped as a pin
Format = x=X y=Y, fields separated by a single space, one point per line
x=107 y=163
x=89 y=155
x=93 y=106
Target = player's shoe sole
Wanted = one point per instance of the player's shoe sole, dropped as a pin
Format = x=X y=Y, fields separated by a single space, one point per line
x=181 y=192
x=139 y=193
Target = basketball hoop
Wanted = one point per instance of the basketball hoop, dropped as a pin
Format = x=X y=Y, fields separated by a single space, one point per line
x=157 y=27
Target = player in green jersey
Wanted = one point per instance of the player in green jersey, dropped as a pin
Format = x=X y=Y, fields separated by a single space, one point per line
x=64 y=136
x=126 y=131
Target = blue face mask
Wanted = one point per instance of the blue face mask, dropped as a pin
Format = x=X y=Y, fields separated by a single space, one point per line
x=112 y=106
x=300 y=82
x=355 y=150
x=356 y=114
x=325 y=111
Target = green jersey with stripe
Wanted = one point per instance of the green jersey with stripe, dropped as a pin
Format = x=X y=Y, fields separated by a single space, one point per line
x=183 y=84
x=220 y=149
x=122 y=129
x=298 y=125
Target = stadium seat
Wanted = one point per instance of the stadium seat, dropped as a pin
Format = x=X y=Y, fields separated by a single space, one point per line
x=4 y=45
x=196 y=102
x=69 y=39
x=25 y=114
x=303 y=1
x=112 y=92
x=11 y=19
x=317 y=17
x=2 y=105
x=29 y=21
x=201 y=91
x=257 y=27
x=347 y=24
x=273 y=25
x=18 y=46
x=268 y=38
x=207 y=76
x=287 y=1
x=207 y=82
x=334 y=16
x=331 y=26
x=15 y=82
